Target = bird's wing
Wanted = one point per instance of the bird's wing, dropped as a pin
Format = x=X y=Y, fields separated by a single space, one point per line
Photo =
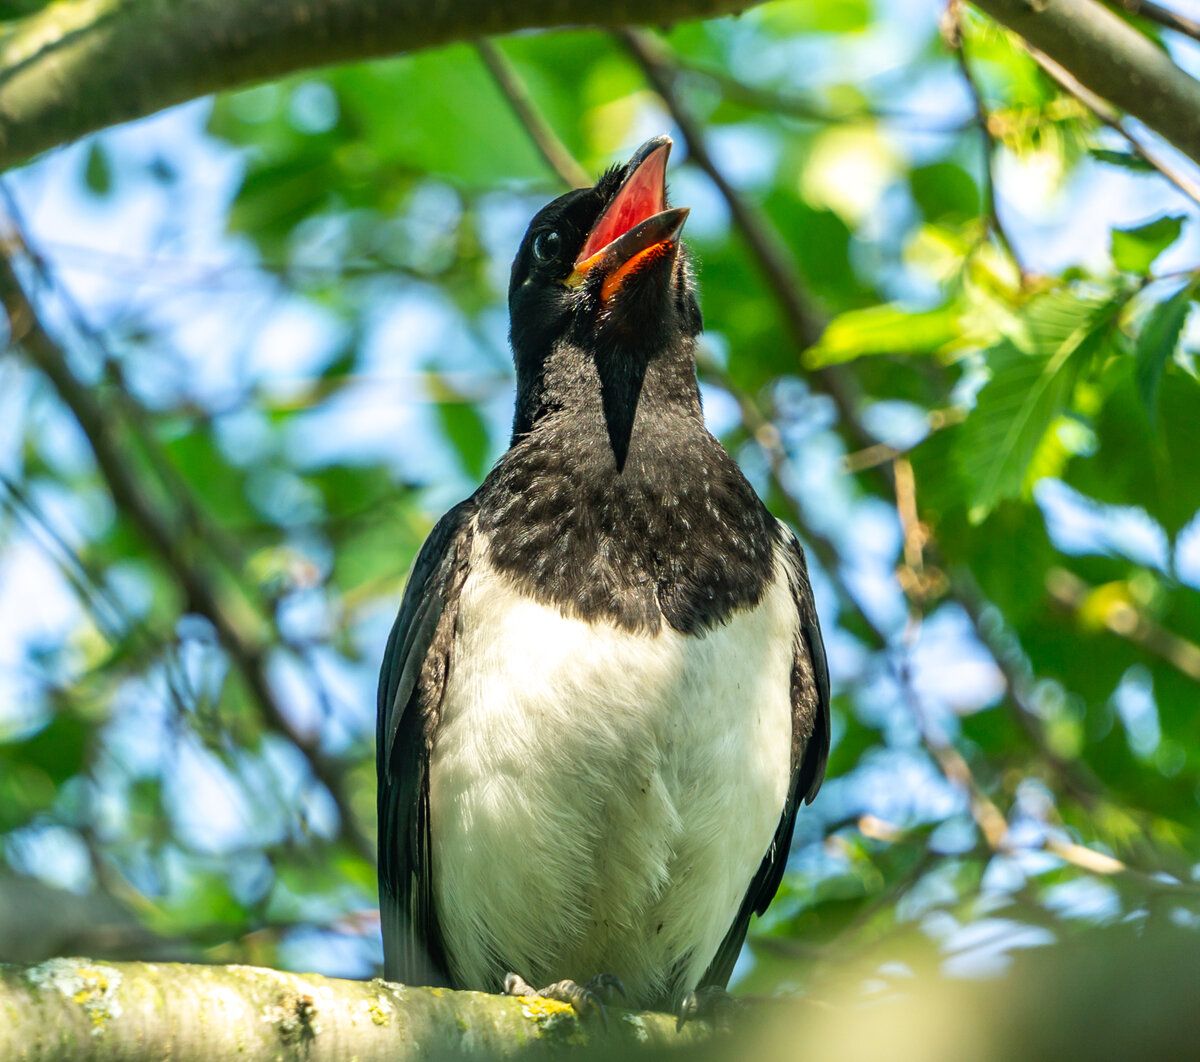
x=810 y=753
x=411 y=684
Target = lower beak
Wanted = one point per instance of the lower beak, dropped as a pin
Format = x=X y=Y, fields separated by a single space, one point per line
x=658 y=235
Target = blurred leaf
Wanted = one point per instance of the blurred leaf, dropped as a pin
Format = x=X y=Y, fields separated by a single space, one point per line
x=465 y=429
x=1134 y=250
x=791 y=17
x=11 y=9
x=944 y=192
x=1125 y=159
x=884 y=330
x=1158 y=340
x=1139 y=464
x=98 y=171
x=59 y=748
x=220 y=486
x=1032 y=374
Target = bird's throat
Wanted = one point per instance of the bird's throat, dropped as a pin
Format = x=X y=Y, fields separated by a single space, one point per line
x=621 y=379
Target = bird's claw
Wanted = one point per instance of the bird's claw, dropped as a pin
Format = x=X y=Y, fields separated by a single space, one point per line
x=708 y=1003
x=585 y=999
x=608 y=984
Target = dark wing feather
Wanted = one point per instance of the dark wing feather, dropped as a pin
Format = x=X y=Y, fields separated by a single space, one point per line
x=411 y=684
x=810 y=753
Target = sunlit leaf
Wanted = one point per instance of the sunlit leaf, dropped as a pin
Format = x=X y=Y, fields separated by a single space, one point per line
x=1032 y=374
x=884 y=330
x=814 y=16
x=1158 y=341
x=1134 y=250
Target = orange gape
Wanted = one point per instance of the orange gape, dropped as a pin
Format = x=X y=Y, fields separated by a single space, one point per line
x=614 y=280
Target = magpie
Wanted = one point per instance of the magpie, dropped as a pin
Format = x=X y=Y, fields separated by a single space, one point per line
x=605 y=694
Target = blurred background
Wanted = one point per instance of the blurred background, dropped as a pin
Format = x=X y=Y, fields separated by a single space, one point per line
x=265 y=346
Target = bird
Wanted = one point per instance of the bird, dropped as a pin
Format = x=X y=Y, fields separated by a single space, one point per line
x=605 y=695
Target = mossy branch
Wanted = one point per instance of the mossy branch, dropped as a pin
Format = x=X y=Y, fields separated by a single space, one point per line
x=80 y=65
x=86 y=1010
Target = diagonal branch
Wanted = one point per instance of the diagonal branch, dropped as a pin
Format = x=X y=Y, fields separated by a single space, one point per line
x=953 y=33
x=803 y=320
x=1111 y=117
x=544 y=138
x=1153 y=12
x=167 y=538
x=80 y=65
x=1111 y=58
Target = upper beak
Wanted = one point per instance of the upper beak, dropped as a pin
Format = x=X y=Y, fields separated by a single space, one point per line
x=636 y=225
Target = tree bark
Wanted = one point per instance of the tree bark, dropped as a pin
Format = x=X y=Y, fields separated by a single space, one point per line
x=80 y=65
x=85 y=1010
x=1113 y=59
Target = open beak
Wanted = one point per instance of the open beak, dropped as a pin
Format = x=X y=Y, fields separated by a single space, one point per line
x=636 y=227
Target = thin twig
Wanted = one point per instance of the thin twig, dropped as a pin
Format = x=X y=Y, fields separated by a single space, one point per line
x=988 y=817
x=954 y=36
x=805 y=322
x=1153 y=12
x=172 y=483
x=1107 y=866
x=247 y=651
x=1076 y=778
x=1111 y=117
x=1123 y=619
x=510 y=83
x=805 y=109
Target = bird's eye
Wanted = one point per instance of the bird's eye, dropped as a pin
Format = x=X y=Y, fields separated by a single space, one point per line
x=546 y=246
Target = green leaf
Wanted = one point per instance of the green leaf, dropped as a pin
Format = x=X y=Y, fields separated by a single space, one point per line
x=945 y=192
x=464 y=427
x=792 y=17
x=1033 y=374
x=884 y=329
x=1135 y=465
x=1134 y=250
x=1126 y=159
x=1158 y=340
x=97 y=171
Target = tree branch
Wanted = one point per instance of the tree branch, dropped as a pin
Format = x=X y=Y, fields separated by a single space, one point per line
x=1123 y=619
x=803 y=321
x=83 y=1010
x=80 y=65
x=167 y=538
x=544 y=138
x=1111 y=58
x=1166 y=18
x=1109 y=115
x=952 y=31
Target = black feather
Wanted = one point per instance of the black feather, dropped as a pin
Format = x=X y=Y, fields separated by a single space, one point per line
x=810 y=753
x=411 y=685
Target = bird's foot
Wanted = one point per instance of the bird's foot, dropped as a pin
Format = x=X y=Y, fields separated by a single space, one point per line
x=708 y=1003
x=585 y=998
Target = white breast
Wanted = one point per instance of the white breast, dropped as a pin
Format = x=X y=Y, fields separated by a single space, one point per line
x=600 y=800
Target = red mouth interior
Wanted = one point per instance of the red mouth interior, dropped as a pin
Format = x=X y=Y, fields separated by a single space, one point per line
x=641 y=196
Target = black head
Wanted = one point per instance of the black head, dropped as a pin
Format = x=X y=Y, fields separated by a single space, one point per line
x=601 y=277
